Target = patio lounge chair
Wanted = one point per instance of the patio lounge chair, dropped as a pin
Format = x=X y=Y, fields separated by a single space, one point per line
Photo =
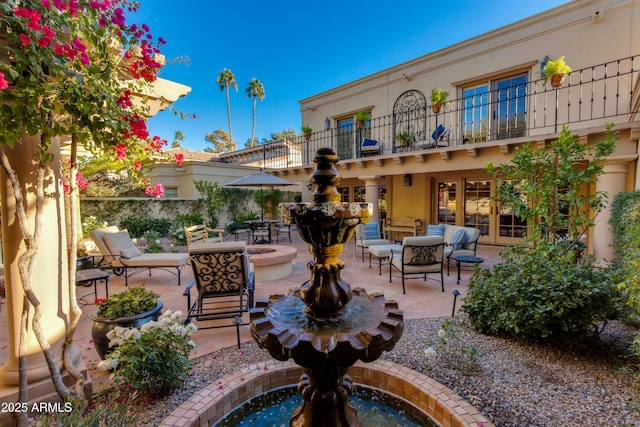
x=125 y=258
x=224 y=279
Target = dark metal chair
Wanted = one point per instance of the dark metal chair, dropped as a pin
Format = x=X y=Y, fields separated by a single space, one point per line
x=224 y=280
x=421 y=255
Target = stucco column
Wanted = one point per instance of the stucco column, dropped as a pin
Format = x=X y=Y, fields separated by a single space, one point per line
x=612 y=181
x=50 y=279
x=371 y=193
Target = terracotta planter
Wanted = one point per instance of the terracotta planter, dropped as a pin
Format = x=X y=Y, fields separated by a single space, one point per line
x=436 y=107
x=307 y=136
x=102 y=325
x=557 y=79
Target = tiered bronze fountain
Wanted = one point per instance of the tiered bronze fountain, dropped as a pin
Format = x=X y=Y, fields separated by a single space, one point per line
x=325 y=326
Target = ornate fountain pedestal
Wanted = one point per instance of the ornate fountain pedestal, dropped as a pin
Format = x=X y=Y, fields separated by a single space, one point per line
x=325 y=327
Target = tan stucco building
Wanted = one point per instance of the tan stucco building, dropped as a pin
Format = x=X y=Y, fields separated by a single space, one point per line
x=497 y=101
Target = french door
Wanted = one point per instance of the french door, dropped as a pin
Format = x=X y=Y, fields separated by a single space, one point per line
x=495 y=109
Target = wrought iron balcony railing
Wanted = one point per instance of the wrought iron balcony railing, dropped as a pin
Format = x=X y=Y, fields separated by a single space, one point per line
x=588 y=98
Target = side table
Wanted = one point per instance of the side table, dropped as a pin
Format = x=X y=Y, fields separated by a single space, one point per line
x=466 y=259
x=92 y=275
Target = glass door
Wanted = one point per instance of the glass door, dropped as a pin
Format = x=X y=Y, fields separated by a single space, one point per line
x=345 y=138
x=509 y=114
x=477 y=206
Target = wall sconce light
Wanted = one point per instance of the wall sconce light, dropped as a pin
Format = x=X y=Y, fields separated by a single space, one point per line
x=407 y=180
x=543 y=63
x=327 y=124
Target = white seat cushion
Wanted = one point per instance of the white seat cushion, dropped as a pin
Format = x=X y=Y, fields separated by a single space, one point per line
x=120 y=244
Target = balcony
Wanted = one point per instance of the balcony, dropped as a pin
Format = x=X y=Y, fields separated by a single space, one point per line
x=588 y=98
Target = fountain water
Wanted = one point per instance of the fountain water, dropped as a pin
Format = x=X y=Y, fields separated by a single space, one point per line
x=320 y=327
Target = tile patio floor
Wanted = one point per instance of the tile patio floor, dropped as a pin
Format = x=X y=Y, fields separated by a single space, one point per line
x=423 y=299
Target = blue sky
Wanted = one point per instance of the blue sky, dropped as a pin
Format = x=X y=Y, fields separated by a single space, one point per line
x=298 y=49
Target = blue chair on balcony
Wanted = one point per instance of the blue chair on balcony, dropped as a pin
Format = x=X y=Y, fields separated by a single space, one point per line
x=370 y=147
x=440 y=137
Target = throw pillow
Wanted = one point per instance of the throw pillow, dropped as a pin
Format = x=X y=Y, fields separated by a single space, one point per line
x=370 y=231
x=120 y=244
x=435 y=230
x=458 y=238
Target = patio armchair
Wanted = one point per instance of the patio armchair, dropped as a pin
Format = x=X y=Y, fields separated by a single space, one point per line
x=125 y=259
x=368 y=235
x=421 y=255
x=200 y=233
x=224 y=280
x=284 y=229
x=238 y=232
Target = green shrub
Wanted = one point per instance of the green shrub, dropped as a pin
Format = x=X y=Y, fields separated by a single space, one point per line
x=625 y=224
x=138 y=226
x=153 y=358
x=539 y=293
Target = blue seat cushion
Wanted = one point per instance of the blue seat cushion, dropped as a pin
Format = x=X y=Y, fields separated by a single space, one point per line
x=370 y=231
x=436 y=133
x=458 y=238
x=369 y=143
x=435 y=230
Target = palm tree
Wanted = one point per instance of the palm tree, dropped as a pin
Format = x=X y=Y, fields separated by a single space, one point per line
x=224 y=80
x=177 y=139
x=255 y=90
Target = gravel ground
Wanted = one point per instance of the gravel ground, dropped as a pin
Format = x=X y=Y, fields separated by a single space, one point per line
x=515 y=383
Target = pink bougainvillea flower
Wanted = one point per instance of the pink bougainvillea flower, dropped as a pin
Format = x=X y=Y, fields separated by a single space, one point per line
x=121 y=151
x=137 y=165
x=3 y=82
x=179 y=158
x=155 y=191
x=24 y=39
x=83 y=184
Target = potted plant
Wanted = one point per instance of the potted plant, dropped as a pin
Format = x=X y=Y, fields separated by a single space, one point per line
x=438 y=97
x=153 y=357
x=306 y=130
x=131 y=308
x=555 y=71
x=362 y=117
x=404 y=138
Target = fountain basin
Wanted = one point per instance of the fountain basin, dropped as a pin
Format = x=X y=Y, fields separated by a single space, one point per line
x=281 y=327
x=272 y=262
x=212 y=403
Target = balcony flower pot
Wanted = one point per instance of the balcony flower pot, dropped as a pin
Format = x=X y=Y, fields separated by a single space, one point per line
x=362 y=117
x=555 y=70
x=307 y=131
x=135 y=307
x=438 y=97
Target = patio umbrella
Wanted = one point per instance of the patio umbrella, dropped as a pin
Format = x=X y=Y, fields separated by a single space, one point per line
x=259 y=179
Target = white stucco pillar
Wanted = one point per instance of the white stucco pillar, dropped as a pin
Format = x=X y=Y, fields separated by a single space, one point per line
x=50 y=279
x=612 y=181
x=371 y=193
